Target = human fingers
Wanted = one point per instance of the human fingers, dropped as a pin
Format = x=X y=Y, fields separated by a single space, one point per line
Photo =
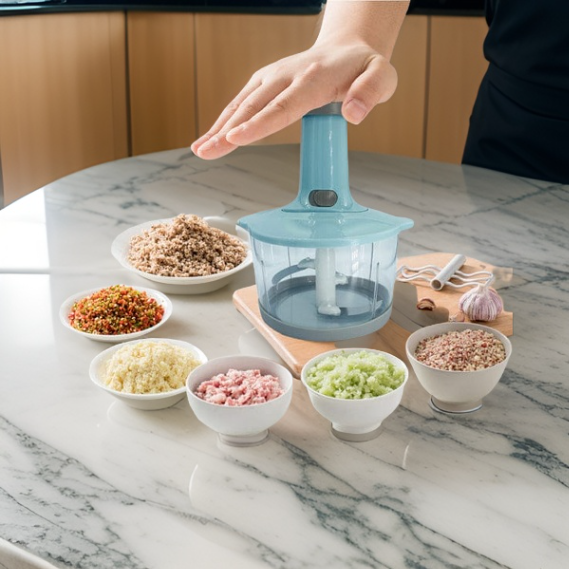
x=376 y=84
x=210 y=148
x=228 y=112
x=215 y=144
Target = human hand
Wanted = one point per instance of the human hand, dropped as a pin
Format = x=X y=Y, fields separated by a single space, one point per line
x=282 y=92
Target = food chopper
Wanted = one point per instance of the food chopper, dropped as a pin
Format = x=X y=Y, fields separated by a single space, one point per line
x=325 y=266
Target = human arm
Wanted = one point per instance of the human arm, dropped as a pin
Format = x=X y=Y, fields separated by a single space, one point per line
x=349 y=62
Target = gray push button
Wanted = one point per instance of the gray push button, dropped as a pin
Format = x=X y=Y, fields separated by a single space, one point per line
x=323 y=198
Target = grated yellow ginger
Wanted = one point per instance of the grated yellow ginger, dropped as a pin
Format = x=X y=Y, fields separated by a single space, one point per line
x=149 y=367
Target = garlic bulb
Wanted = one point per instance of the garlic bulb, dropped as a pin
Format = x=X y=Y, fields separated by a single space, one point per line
x=481 y=303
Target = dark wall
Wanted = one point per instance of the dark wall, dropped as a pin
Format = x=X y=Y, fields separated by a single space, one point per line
x=447 y=7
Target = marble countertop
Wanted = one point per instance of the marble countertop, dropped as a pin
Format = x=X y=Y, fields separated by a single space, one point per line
x=87 y=482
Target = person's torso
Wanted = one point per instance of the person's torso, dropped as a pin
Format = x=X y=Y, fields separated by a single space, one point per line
x=529 y=39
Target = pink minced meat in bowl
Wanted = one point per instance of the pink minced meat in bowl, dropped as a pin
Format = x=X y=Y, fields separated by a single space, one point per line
x=240 y=387
x=240 y=397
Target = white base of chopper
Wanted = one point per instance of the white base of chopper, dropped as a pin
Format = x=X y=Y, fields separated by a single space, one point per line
x=331 y=334
x=291 y=308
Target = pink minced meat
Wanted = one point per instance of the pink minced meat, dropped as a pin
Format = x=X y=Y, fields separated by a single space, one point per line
x=240 y=387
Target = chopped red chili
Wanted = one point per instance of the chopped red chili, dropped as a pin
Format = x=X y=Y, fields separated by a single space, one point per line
x=118 y=309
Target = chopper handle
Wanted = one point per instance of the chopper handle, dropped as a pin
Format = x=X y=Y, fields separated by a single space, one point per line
x=329 y=109
x=324 y=178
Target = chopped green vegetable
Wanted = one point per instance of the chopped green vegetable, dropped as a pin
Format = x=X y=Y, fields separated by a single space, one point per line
x=354 y=375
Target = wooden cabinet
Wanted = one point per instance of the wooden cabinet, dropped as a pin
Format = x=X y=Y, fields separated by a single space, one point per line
x=183 y=69
x=231 y=47
x=440 y=64
x=397 y=126
x=161 y=74
x=457 y=66
x=81 y=89
x=62 y=96
x=439 y=61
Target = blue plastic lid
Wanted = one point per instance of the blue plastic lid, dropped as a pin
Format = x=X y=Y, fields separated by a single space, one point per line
x=324 y=213
x=323 y=228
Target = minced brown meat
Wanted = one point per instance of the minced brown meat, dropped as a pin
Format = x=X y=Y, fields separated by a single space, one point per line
x=461 y=350
x=185 y=247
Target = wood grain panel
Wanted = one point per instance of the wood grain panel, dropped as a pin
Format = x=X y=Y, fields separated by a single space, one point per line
x=231 y=47
x=397 y=126
x=62 y=96
x=456 y=69
x=162 y=83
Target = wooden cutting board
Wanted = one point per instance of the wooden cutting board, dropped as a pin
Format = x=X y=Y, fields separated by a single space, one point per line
x=391 y=337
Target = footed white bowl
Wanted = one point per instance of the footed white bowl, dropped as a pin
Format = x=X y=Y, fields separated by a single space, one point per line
x=355 y=419
x=240 y=426
x=456 y=391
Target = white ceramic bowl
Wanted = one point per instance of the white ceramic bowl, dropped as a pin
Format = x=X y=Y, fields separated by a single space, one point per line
x=355 y=419
x=240 y=426
x=144 y=401
x=181 y=285
x=456 y=391
x=160 y=298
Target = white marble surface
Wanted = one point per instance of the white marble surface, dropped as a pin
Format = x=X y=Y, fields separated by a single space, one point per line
x=86 y=482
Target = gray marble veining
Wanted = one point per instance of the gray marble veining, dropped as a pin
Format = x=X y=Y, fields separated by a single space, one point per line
x=88 y=483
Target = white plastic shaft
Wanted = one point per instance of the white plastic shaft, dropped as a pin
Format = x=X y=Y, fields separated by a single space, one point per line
x=325 y=269
x=440 y=279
